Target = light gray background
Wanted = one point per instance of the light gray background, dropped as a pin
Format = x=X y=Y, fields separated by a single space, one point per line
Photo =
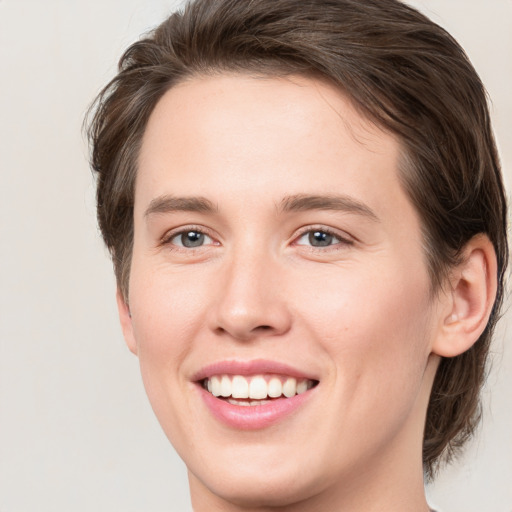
x=76 y=431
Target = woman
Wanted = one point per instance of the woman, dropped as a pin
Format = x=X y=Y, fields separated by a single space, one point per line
x=307 y=220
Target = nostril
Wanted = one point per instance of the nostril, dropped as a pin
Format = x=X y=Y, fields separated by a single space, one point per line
x=260 y=329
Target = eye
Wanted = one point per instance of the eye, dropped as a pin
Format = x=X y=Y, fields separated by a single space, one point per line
x=190 y=239
x=320 y=238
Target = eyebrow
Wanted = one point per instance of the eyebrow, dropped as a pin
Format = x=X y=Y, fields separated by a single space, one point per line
x=167 y=204
x=302 y=202
x=295 y=203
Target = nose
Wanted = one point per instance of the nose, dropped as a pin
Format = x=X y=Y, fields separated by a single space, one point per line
x=251 y=301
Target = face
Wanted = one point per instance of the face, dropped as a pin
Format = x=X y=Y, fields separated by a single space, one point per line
x=279 y=296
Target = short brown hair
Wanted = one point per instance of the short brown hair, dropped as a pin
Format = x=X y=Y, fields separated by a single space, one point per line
x=400 y=69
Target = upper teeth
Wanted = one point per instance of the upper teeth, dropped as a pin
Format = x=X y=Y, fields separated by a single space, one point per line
x=257 y=386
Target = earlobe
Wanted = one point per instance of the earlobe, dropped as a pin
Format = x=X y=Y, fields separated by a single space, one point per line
x=470 y=300
x=125 y=318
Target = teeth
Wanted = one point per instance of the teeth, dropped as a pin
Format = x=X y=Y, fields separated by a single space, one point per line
x=215 y=385
x=275 y=388
x=239 y=402
x=248 y=402
x=257 y=388
x=290 y=387
x=225 y=386
x=302 y=387
x=239 y=387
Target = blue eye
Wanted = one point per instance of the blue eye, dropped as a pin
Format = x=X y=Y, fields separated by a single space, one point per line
x=190 y=239
x=318 y=238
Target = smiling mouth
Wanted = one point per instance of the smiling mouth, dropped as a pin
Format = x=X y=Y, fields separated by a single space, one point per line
x=255 y=390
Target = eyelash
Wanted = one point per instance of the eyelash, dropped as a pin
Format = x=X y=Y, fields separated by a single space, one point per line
x=343 y=241
x=168 y=237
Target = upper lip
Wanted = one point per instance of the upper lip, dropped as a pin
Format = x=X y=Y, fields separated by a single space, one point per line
x=252 y=367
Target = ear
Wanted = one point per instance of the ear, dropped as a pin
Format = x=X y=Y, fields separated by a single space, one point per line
x=125 y=318
x=469 y=301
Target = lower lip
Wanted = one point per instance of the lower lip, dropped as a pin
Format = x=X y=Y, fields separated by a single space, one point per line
x=253 y=417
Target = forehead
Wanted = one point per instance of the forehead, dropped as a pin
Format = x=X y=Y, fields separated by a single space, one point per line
x=268 y=137
x=242 y=105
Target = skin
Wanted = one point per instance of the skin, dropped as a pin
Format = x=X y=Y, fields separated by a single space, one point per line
x=358 y=314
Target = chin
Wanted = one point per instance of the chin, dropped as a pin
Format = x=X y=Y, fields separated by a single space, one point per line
x=256 y=487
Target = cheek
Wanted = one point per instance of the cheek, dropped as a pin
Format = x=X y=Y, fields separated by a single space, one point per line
x=373 y=325
x=355 y=301
x=165 y=317
x=165 y=322
x=374 y=331
x=166 y=308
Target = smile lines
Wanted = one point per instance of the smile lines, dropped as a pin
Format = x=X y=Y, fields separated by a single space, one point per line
x=238 y=388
